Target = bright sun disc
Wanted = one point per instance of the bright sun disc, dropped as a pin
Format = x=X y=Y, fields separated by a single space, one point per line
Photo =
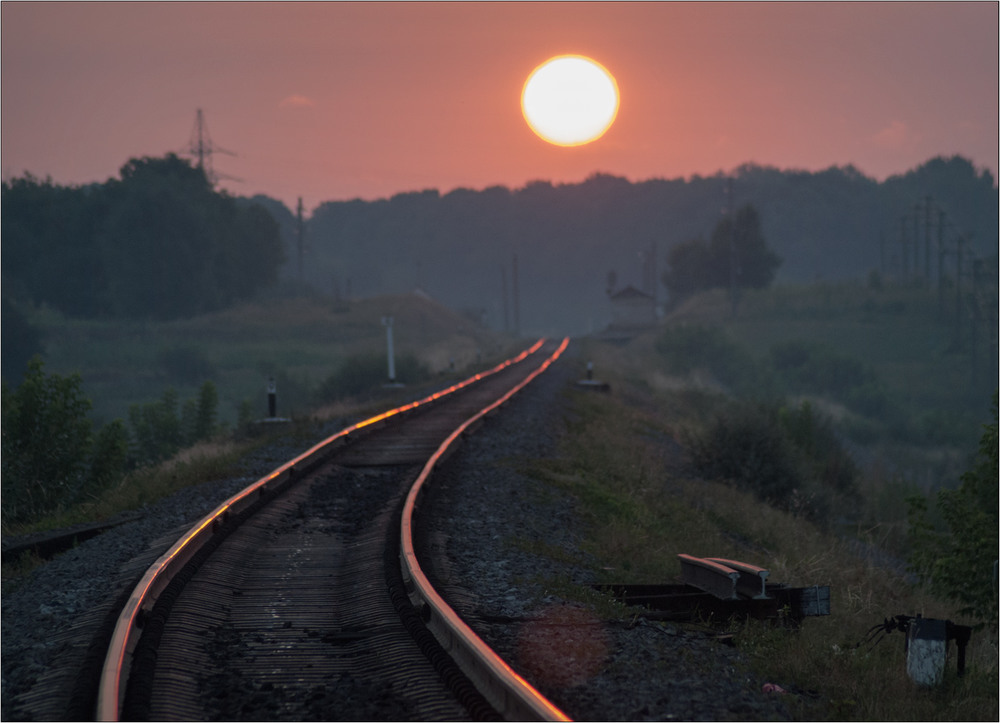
x=570 y=100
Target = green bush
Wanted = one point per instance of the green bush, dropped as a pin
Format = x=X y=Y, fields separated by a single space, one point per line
x=186 y=364
x=362 y=374
x=157 y=430
x=810 y=366
x=687 y=348
x=50 y=456
x=957 y=554
x=789 y=458
x=748 y=447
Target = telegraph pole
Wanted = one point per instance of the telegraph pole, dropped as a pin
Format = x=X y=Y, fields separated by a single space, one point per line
x=732 y=244
x=515 y=295
x=941 y=263
x=903 y=244
x=503 y=293
x=958 y=294
x=300 y=236
x=927 y=241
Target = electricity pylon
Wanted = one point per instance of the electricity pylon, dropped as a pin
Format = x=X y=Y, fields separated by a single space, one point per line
x=200 y=146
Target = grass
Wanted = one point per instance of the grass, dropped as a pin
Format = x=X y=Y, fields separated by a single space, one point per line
x=299 y=341
x=620 y=461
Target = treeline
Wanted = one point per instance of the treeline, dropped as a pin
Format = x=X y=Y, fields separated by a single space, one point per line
x=459 y=247
x=157 y=243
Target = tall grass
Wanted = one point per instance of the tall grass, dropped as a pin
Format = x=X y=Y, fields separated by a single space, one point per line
x=642 y=505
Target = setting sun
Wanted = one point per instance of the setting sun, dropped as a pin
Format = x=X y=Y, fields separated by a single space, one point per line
x=570 y=100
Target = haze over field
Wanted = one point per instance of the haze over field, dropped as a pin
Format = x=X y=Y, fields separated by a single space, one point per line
x=334 y=101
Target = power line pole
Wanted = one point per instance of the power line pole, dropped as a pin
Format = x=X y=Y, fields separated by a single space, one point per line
x=503 y=294
x=941 y=263
x=732 y=244
x=881 y=253
x=300 y=236
x=927 y=241
x=905 y=247
x=515 y=295
x=958 y=294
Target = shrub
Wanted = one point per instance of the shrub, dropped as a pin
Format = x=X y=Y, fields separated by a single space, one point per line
x=361 y=374
x=809 y=366
x=156 y=429
x=958 y=556
x=158 y=432
x=812 y=434
x=748 y=448
x=687 y=348
x=186 y=364
x=50 y=457
x=789 y=458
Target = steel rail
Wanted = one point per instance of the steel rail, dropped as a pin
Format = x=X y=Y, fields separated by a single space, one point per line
x=752 y=581
x=709 y=576
x=117 y=662
x=512 y=696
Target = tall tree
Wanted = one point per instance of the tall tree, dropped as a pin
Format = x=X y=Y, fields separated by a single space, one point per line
x=157 y=243
x=736 y=254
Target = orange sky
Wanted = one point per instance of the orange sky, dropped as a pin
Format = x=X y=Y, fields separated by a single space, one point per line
x=346 y=100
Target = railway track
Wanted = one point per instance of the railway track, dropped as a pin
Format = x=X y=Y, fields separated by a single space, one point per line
x=302 y=597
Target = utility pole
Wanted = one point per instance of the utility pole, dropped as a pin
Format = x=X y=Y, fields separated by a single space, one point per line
x=958 y=294
x=927 y=241
x=652 y=271
x=903 y=243
x=881 y=253
x=503 y=295
x=300 y=236
x=732 y=244
x=940 y=242
x=515 y=294
x=974 y=335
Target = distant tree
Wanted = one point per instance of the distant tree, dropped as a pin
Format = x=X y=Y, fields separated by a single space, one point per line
x=50 y=246
x=736 y=253
x=157 y=243
x=755 y=263
x=691 y=268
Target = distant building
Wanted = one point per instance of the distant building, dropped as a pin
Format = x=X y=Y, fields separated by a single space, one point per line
x=632 y=309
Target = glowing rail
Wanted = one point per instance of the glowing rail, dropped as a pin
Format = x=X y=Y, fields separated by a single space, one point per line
x=507 y=691
x=128 y=628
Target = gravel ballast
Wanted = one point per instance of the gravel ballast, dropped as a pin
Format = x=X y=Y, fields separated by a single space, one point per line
x=494 y=521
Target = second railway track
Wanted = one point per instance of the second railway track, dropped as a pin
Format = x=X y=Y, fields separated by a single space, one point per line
x=294 y=605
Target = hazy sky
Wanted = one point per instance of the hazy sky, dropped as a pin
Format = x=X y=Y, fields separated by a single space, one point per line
x=345 y=100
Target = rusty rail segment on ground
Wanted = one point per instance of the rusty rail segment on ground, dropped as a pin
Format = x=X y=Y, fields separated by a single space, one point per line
x=518 y=699
x=718 y=588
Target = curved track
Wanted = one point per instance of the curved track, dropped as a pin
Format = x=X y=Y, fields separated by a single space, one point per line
x=288 y=601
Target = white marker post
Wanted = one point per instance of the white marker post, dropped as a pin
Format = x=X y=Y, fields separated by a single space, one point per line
x=272 y=399
x=387 y=323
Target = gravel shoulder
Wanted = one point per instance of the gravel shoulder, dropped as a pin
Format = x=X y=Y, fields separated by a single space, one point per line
x=495 y=523
x=509 y=537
